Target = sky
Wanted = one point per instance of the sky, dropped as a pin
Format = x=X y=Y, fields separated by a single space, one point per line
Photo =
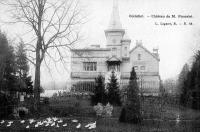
x=176 y=43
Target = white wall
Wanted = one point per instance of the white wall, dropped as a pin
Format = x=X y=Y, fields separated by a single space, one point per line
x=147 y=60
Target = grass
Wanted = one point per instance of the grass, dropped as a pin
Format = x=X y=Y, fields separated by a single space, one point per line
x=112 y=125
x=157 y=118
x=107 y=125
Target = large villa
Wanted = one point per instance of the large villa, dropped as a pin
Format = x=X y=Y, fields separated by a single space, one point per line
x=88 y=63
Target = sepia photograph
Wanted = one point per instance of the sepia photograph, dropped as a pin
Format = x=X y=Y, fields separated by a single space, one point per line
x=99 y=66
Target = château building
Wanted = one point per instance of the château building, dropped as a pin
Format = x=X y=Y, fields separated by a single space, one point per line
x=88 y=63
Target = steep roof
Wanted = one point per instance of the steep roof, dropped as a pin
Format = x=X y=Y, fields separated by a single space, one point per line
x=115 y=22
x=141 y=46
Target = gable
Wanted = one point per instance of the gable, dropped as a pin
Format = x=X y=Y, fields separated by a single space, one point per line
x=144 y=50
x=113 y=58
x=147 y=61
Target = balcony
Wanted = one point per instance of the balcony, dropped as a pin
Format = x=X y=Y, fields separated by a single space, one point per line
x=86 y=75
x=124 y=75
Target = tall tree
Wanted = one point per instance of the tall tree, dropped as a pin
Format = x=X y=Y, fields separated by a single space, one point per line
x=4 y=47
x=131 y=109
x=182 y=88
x=8 y=80
x=21 y=60
x=195 y=82
x=54 y=25
x=113 y=90
x=25 y=82
x=99 y=91
x=190 y=94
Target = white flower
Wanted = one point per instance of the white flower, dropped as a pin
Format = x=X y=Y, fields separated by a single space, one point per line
x=31 y=121
x=57 y=125
x=2 y=121
x=47 y=124
x=22 y=121
x=65 y=125
x=79 y=125
x=74 y=120
x=53 y=124
x=60 y=121
x=91 y=125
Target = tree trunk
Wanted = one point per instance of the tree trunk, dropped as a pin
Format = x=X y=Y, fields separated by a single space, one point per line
x=37 y=79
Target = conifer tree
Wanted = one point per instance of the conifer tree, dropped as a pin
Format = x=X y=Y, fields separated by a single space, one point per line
x=190 y=91
x=131 y=110
x=99 y=92
x=113 y=90
x=195 y=82
x=8 y=78
x=25 y=82
x=183 y=85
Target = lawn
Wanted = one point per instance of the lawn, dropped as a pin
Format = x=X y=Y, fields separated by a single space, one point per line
x=112 y=125
x=157 y=117
x=102 y=125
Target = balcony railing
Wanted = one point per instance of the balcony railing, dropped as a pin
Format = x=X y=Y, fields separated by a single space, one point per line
x=124 y=75
x=87 y=75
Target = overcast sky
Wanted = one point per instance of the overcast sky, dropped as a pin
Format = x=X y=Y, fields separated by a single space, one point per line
x=176 y=43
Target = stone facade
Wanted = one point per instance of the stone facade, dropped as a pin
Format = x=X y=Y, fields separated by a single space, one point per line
x=88 y=63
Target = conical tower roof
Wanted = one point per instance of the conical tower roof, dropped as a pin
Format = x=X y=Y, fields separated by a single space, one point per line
x=115 y=22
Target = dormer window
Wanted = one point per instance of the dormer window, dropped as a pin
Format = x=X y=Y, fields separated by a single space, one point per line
x=139 y=56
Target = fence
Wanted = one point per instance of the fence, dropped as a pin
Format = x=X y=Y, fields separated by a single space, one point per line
x=146 y=87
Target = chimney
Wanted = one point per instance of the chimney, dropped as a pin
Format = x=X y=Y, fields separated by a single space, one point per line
x=138 y=42
x=155 y=50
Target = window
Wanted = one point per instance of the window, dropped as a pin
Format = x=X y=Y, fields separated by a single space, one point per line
x=125 y=48
x=89 y=66
x=142 y=68
x=136 y=67
x=139 y=56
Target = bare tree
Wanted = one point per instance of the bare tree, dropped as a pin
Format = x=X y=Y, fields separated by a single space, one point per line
x=54 y=24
